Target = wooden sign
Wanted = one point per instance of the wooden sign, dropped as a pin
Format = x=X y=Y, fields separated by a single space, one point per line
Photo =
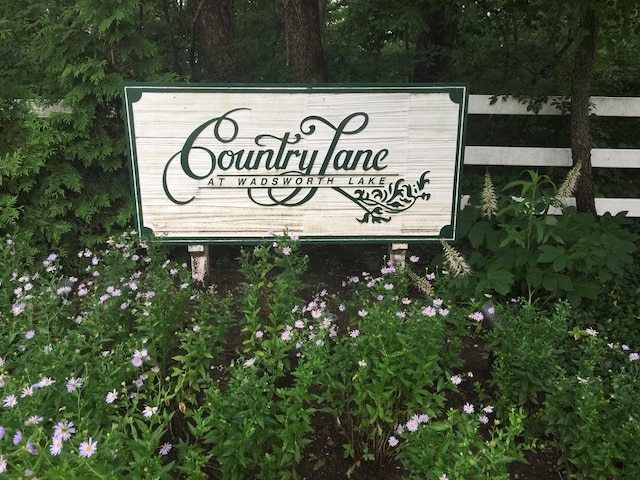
x=215 y=164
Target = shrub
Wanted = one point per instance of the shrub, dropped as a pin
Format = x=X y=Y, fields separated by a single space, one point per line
x=392 y=361
x=528 y=349
x=63 y=175
x=456 y=447
x=518 y=248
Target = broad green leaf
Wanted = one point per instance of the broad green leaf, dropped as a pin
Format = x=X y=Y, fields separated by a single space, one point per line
x=478 y=232
x=534 y=277
x=500 y=279
x=550 y=282
x=550 y=253
x=560 y=263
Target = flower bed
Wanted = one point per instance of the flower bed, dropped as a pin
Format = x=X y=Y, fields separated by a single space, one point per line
x=129 y=368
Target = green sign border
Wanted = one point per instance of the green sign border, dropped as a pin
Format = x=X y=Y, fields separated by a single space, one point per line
x=132 y=92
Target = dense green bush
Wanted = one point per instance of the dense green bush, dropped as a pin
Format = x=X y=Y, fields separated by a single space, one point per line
x=529 y=348
x=63 y=177
x=518 y=248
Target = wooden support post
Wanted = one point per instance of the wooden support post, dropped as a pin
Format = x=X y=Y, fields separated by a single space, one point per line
x=398 y=254
x=199 y=262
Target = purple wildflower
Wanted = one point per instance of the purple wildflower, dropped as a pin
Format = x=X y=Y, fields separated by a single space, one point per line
x=88 y=448
x=56 y=446
x=165 y=449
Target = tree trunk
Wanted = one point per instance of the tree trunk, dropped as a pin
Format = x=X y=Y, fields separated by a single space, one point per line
x=172 y=27
x=213 y=29
x=580 y=92
x=432 y=60
x=303 y=39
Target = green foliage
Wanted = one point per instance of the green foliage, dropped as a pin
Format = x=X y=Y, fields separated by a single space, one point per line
x=167 y=380
x=261 y=427
x=616 y=311
x=579 y=382
x=251 y=49
x=368 y=42
x=75 y=353
x=64 y=180
x=520 y=249
x=456 y=448
x=263 y=406
x=528 y=348
x=591 y=413
x=273 y=283
x=392 y=361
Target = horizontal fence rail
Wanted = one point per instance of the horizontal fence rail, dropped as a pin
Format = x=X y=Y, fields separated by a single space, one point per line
x=558 y=157
x=600 y=106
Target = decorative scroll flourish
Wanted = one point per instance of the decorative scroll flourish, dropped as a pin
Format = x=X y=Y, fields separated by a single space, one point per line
x=395 y=198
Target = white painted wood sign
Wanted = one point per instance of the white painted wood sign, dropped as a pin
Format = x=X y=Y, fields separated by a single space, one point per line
x=216 y=164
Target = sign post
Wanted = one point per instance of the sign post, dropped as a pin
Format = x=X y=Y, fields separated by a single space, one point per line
x=229 y=164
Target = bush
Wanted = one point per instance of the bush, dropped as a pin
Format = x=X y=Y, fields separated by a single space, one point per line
x=518 y=248
x=529 y=348
x=83 y=362
x=63 y=175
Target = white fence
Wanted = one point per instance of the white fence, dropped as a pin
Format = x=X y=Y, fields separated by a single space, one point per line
x=538 y=157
